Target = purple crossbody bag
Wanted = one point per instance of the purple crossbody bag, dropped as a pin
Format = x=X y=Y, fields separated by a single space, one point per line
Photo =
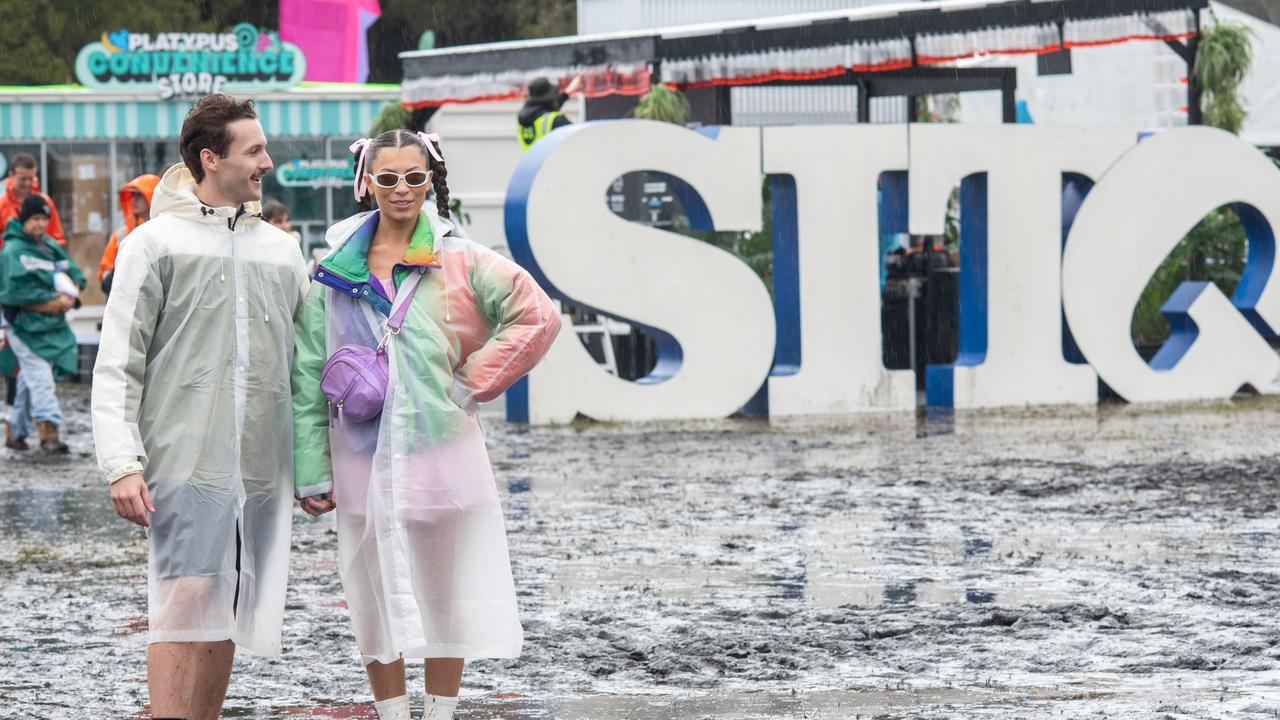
x=355 y=377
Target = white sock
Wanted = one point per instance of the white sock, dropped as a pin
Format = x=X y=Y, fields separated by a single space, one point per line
x=439 y=707
x=397 y=708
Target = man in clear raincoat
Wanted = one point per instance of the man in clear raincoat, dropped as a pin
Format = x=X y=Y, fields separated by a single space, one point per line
x=192 y=414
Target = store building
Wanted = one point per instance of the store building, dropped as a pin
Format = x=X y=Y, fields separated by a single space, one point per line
x=125 y=117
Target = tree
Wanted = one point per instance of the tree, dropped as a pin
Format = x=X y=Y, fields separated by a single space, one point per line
x=41 y=39
x=663 y=104
x=460 y=22
x=1223 y=59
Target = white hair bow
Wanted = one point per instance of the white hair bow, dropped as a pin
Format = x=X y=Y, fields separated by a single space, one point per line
x=432 y=140
x=360 y=149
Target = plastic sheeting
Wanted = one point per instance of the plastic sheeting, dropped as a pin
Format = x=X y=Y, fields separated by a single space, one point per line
x=191 y=388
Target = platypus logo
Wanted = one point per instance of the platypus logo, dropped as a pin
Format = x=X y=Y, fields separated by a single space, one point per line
x=116 y=41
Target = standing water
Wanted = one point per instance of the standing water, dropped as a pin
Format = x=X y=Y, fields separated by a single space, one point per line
x=1118 y=562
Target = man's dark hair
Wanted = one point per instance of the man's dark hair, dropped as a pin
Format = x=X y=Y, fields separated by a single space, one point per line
x=206 y=127
x=23 y=160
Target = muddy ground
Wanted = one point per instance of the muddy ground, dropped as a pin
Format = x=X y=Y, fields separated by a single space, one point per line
x=1117 y=563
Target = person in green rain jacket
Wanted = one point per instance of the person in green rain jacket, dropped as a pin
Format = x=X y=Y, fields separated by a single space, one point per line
x=39 y=283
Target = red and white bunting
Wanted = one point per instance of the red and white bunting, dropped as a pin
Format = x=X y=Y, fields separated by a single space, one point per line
x=598 y=81
x=1030 y=39
x=1169 y=25
x=785 y=64
x=752 y=68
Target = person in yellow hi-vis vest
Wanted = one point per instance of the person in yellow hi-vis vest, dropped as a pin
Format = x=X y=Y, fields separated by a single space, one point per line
x=541 y=112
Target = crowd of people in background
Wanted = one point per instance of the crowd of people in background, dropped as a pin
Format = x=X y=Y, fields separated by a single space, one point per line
x=40 y=284
x=21 y=183
x=37 y=343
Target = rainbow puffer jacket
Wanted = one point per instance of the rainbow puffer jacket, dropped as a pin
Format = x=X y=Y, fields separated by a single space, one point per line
x=478 y=322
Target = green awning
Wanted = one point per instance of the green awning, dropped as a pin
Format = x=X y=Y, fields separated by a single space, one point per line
x=78 y=115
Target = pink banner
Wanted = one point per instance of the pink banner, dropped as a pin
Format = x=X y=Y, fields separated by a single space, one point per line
x=332 y=35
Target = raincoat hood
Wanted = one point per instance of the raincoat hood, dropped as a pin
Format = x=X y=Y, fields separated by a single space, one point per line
x=176 y=195
x=13 y=233
x=346 y=268
x=13 y=197
x=145 y=184
x=11 y=206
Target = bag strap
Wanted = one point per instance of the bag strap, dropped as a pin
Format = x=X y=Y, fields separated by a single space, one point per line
x=400 y=308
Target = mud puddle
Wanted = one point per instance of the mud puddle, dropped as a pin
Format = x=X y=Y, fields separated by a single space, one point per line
x=1118 y=562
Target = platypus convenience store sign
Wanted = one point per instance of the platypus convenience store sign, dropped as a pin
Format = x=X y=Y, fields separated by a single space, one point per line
x=180 y=63
x=1037 y=265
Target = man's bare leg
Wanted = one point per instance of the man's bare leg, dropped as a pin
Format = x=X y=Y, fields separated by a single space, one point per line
x=189 y=680
x=213 y=673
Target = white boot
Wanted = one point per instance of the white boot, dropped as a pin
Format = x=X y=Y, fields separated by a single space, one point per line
x=397 y=708
x=439 y=707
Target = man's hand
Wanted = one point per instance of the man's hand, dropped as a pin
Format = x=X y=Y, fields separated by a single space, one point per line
x=65 y=303
x=574 y=86
x=317 y=505
x=131 y=499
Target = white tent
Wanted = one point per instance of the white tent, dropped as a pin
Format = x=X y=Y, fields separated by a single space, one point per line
x=1136 y=83
x=1261 y=87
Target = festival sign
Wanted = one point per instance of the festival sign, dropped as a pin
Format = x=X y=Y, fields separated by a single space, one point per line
x=320 y=173
x=1037 y=265
x=178 y=63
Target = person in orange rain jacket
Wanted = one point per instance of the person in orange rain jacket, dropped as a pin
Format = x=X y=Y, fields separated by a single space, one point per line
x=135 y=201
x=22 y=181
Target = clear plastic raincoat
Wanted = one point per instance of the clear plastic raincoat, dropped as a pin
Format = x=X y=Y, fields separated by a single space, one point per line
x=191 y=388
x=421 y=544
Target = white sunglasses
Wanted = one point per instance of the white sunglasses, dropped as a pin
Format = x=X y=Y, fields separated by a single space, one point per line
x=389 y=180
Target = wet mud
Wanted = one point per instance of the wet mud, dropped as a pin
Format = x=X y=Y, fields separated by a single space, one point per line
x=1111 y=562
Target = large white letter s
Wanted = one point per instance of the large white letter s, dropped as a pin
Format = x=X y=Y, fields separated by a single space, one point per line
x=712 y=316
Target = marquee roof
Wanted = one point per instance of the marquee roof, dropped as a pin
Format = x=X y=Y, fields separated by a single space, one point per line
x=804 y=46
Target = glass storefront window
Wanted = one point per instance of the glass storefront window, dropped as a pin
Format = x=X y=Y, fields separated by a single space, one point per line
x=307 y=204
x=143 y=157
x=81 y=186
x=80 y=183
x=344 y=203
